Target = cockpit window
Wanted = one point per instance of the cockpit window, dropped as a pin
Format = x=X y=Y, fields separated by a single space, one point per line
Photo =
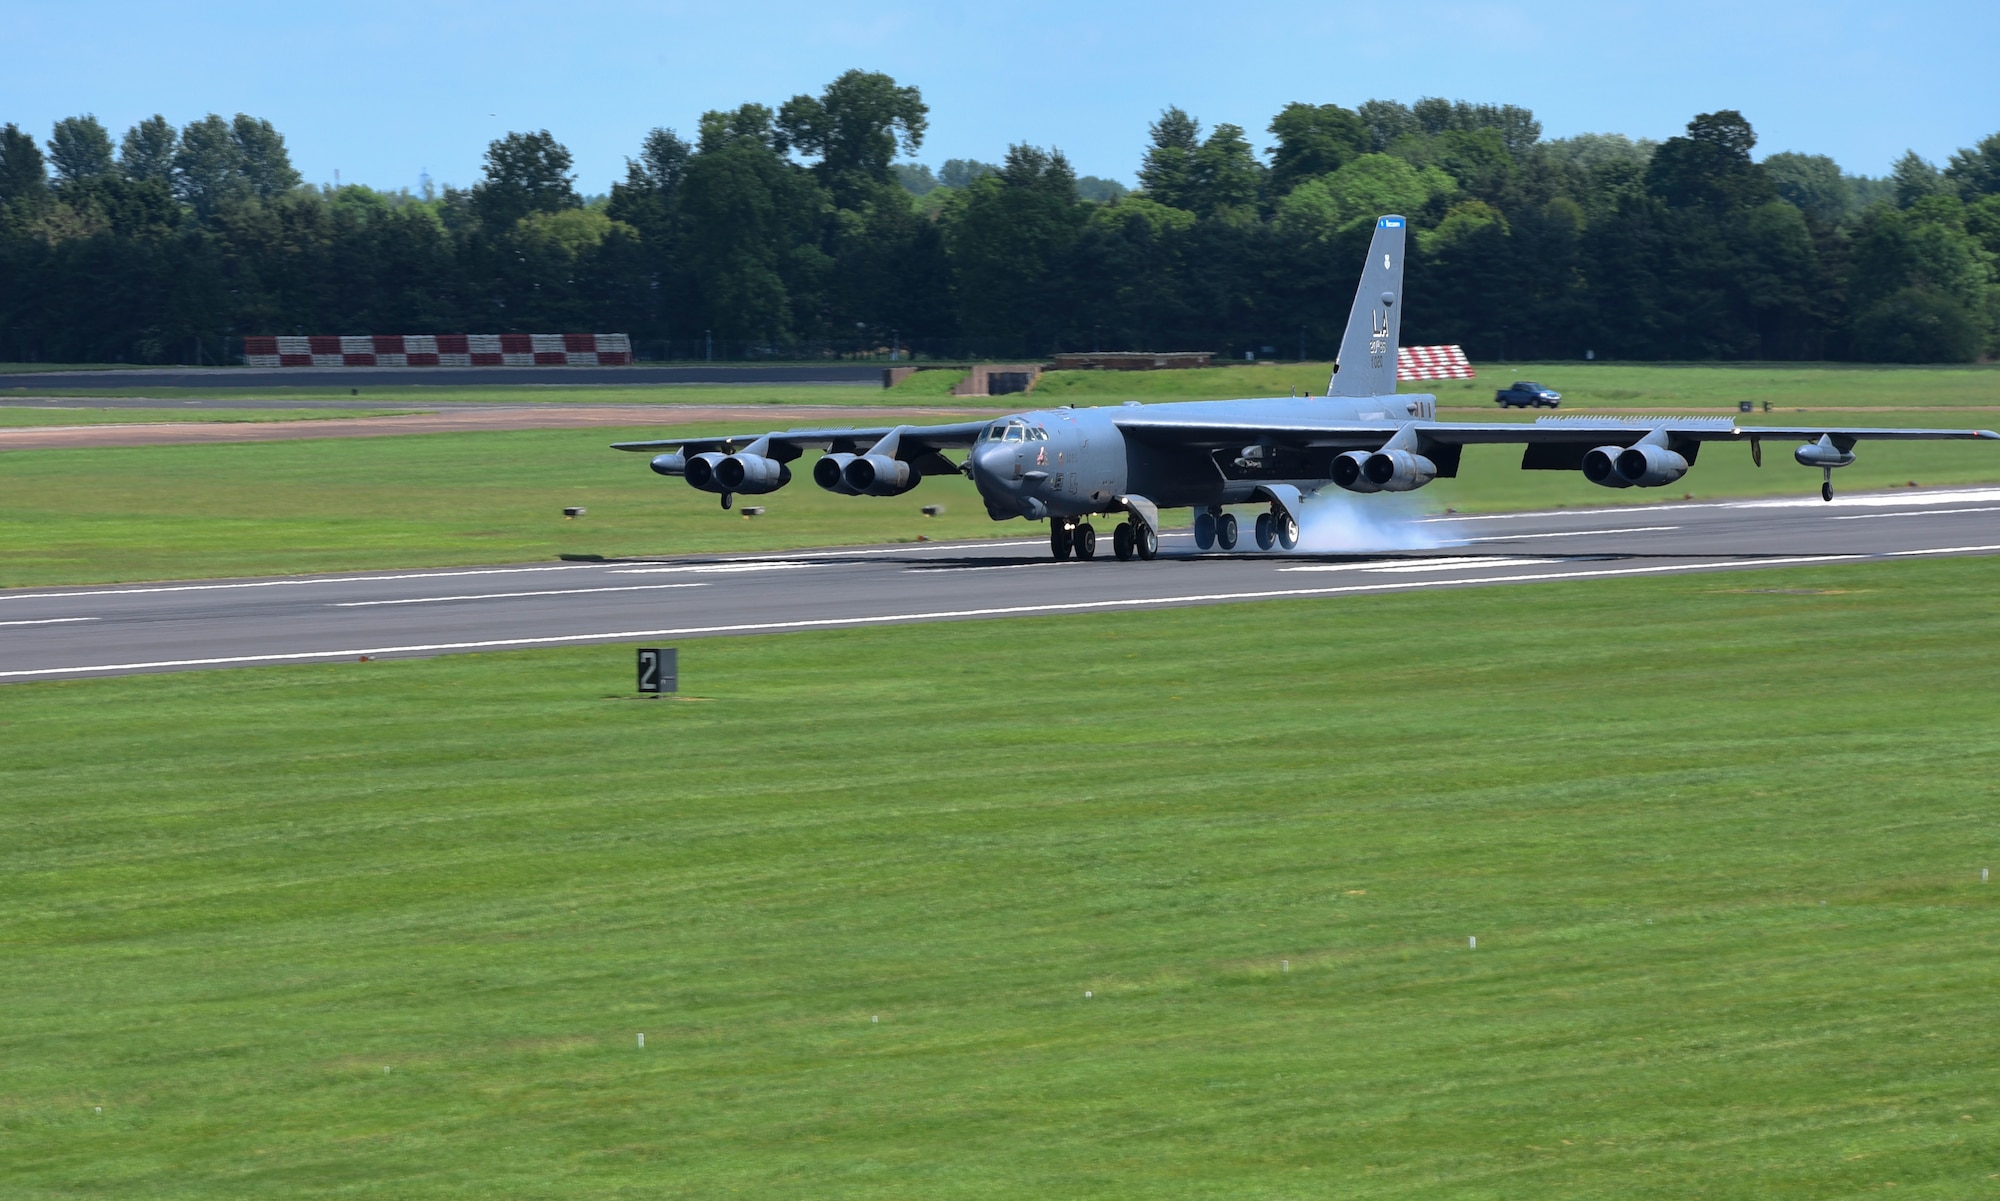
x=996 y=433
x=1016 y=432
x=1038 y=434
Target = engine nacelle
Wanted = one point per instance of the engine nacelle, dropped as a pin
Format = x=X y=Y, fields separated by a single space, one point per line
x=699 y=471
x=830 y=473
x=1822 y=453
x=1600 y=466
x=1398 y=470
x=879 y=475
x=673 y=464
x=751 y=474
x=1648 y=466
x=1350 y=472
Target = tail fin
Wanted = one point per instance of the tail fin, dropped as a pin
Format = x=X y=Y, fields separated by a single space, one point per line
x=1367 y=365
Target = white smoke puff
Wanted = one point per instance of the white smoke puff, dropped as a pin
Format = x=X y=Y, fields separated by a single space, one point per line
x=1335 y=522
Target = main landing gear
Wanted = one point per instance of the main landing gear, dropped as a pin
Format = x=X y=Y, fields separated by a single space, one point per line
x=1213 y=527
x=1129 y=538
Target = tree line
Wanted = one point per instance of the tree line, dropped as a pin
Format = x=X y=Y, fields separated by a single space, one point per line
x=809 y=229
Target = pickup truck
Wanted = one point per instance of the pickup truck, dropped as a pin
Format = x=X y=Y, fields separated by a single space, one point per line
x=1526 y=394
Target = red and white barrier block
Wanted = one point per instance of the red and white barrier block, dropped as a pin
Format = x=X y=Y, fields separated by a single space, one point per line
x=439 y=350
x=1432 y=362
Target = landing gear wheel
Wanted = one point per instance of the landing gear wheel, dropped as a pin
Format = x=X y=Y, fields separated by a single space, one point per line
x=1084 y=540
x=1146 y=543
x=1287 y=530
x=1121 y=541
x=1826 y=490
x=1061 y=539
x=1225 y=531
x=1204 y=529
x=726 y=498
x=1266 y=536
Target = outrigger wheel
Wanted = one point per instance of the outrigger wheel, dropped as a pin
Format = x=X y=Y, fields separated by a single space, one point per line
x=1826 y=484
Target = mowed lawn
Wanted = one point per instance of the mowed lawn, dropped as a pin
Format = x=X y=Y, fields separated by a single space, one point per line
x=164 y=512
x=1166 y=905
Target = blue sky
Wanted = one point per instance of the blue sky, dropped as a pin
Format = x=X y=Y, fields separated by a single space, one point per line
x=382 y=92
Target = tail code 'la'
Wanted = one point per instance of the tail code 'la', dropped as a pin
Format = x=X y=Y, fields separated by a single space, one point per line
x=1367 y=363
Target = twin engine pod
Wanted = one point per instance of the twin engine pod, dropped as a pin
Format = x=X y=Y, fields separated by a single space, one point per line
x=864 y=475
x=713 y=471
x=1641 y=466
x=1383 y=471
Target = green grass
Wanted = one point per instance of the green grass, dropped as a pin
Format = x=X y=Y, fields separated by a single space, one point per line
x=1716 y=386
x=390 y=929
x=14 y=415
x=158 y=512
x=1585 y=386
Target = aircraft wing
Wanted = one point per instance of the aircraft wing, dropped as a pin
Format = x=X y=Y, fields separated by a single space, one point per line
x=786 y=445
x=1554 y=431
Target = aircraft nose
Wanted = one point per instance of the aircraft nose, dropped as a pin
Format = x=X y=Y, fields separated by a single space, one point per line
x=993 y=462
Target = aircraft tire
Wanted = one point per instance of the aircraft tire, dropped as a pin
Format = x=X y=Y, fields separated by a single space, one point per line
x=1121 y=541
x=1061 y=540
x=1204 y=529
x=1084 y=541
x=1287 y=530
x=1266 y=536
x=1146 y=543
x=1225 y=531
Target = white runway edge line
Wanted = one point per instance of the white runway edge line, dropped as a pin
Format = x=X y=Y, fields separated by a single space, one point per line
x=47 y=621
x=948 y=614
x=338 y=579
x=1637 y=529
x=1916 y=513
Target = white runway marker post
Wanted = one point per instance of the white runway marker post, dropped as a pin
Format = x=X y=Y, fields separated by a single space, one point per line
x=1982 y=875
x=1284 y=965
x=1472 y=943
x=642 y=1042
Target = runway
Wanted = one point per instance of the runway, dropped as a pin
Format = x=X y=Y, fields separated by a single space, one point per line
x=54 y=633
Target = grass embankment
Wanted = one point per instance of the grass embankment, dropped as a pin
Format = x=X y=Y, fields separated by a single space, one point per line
x=14 y=415
x=391 y=929
x=90 y=516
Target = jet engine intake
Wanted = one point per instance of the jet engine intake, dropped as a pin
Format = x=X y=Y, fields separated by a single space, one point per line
x=879 y=475
x=1350 y=472
x=830 y=473
x=1398 y=470
x=1600 y=466
x=751 y=474
x=1648 y=466
x=673 y=464
x=699 y=471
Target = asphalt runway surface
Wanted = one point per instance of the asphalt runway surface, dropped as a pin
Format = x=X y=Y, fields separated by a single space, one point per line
x=458 y=377
x=52 y=633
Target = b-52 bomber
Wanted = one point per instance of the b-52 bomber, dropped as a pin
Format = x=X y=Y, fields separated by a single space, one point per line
x=1067 y=465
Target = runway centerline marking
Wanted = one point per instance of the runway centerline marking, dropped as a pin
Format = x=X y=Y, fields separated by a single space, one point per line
x=1449 y=565
x=774 y=627
x=1636 y=529
x=716 y=568
x=438 y=600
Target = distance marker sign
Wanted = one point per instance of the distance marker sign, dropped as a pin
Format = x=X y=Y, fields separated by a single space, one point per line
x=659 y=669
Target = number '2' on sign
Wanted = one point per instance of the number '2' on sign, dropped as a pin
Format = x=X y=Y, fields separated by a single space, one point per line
x=659 y=669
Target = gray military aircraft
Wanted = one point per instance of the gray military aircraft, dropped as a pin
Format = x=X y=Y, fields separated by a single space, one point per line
x=1067 y=465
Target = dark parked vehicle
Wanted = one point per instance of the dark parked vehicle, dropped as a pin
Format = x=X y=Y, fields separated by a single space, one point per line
x=1526 y=394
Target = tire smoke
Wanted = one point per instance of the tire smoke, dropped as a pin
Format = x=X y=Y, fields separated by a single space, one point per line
x=1334 y=522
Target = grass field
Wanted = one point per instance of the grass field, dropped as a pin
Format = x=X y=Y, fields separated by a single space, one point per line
x=392 y=929
x=88 y=516
x=1717 y=386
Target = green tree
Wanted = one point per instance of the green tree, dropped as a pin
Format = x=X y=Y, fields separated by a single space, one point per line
x=855 y=128
x=525 y=173
x=1976 y=172
x=208 y=166
x=261 y=157
x=1010 y=236
x=962 y=172
x=80 y=149
x=1914 y=177
x=1364 y=189
x=147 y=152
x=1710 y=165
x=24 y=174
x=1313 y=140
x=1812 y=182
x=1167 y=173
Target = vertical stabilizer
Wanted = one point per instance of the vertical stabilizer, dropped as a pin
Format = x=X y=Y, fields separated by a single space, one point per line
x=1367 y=365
